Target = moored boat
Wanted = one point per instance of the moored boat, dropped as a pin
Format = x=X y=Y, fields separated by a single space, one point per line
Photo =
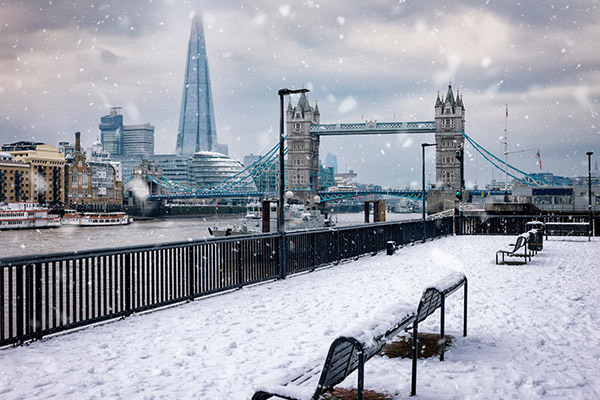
x=296 y=218
x=71 y=217
x=26 y=215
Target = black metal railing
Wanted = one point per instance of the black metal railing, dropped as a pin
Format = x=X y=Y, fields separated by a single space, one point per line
x=517 y=224
x=42 y=295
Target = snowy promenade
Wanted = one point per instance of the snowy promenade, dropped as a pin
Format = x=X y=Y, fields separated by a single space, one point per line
x=533 y=332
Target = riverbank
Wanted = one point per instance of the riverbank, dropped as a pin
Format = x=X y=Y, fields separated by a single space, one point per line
x=22 y=243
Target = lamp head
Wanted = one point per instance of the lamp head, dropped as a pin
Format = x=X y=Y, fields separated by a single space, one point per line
x=286 y=91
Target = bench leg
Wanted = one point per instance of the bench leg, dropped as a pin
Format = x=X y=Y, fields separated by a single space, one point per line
x=361 y=375
x=442 y=327
x=465 y=310
x=415 y=355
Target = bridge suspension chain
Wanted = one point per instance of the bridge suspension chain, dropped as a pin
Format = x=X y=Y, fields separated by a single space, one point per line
x=487 y=155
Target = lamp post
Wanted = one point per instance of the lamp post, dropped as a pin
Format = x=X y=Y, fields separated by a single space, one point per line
x=423 y=145
x=589 y=154
x=281 y=229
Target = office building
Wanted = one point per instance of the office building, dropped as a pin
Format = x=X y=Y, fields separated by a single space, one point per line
x=197 y=129
x=210 y=168
x=111 y=132
x=121 y=140
x=331 y=162
x=138 y=140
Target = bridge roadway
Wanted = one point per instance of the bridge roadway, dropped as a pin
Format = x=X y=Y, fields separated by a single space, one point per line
x=325 y=195
x=372 y=128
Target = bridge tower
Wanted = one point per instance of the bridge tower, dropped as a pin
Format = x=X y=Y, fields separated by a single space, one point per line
x=303 y=151
x=449 y=125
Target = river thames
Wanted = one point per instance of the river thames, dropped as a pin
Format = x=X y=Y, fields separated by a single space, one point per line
x=26 y=242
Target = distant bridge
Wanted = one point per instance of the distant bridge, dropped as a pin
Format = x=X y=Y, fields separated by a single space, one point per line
x=324 y=195
x=372 y=128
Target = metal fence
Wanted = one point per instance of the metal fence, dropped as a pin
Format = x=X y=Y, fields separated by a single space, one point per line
x=517 y=224
x=48 y=294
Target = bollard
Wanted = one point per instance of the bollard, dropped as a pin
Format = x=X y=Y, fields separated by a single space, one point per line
x=391 y=247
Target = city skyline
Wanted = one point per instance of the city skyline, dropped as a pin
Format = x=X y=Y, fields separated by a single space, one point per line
x=384 y=62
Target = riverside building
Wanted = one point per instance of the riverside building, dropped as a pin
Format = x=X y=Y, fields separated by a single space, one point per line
x=32 y=171
x=93 y=183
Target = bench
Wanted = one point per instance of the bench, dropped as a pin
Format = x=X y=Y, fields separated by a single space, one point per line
x=567 y=228
x=521 y=243
x=347 y=354
x=434 y=297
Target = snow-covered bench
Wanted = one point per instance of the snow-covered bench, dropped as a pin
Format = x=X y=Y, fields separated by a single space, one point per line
x=434 y=297
x=347 y=353
x=567 y=228
x=521 y=243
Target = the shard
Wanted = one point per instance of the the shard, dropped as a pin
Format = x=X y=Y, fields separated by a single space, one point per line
x=197 y=129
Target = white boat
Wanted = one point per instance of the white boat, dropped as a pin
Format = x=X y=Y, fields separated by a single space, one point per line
x=296 y=218
x=26 y=215
x=72 y=217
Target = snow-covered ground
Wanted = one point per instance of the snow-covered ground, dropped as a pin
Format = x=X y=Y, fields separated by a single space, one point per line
x=533 y=332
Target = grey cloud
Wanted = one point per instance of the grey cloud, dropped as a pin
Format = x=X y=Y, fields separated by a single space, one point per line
x=249 y=61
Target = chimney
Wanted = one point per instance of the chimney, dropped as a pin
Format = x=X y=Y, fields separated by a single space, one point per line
x=78 y=142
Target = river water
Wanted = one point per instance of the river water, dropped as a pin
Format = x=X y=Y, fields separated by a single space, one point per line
x=27 y=242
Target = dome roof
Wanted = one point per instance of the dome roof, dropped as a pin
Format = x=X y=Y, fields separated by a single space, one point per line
x=210 y=168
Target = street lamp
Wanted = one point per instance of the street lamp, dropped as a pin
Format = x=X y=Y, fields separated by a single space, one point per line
x=423 y=145
x=281 y=229
x=589 y=154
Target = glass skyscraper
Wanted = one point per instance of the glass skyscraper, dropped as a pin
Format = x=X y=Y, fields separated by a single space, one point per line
x=197 y=129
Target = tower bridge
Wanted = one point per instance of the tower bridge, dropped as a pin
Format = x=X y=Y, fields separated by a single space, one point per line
x=304 y=131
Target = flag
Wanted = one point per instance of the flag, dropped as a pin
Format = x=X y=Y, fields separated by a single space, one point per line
x=507 y=111
x=539 y=162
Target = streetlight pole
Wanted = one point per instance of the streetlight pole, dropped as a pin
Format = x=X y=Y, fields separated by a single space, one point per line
x=424 y=193
x=589 y=154
x=281 y=215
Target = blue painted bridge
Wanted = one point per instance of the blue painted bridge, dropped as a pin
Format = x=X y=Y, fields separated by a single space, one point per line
x=325 y=196
x=372 y=128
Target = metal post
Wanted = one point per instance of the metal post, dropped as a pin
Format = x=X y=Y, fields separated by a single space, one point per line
x=589 y=154
x=424 y=193
x=281 y=221
x=281 y=214
x=423 y=188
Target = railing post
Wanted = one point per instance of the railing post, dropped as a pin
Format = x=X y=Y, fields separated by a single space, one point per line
x=2 y=295
x=191 y=287
x=313 y=237
x=282 y=256
x=38 y=300
x=339 y=256
x=238 y=250
x=19 y=308
x=127 y=282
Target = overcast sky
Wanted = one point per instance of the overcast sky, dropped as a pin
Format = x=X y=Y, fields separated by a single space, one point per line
x=63 y=63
